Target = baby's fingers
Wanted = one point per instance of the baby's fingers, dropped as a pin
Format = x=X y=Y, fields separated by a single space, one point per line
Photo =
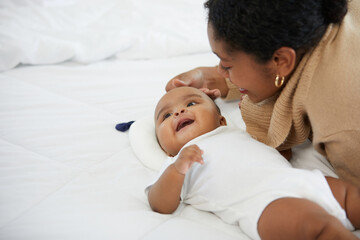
x=187 y=157
x=198 y=158
x=194 y=153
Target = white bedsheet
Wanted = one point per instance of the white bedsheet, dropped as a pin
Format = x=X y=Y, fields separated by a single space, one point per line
x=65 y=172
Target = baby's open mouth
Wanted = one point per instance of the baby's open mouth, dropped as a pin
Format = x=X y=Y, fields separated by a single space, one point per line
x=183 y=123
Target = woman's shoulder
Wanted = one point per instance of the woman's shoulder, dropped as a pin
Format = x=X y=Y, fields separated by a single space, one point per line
x=335 y=78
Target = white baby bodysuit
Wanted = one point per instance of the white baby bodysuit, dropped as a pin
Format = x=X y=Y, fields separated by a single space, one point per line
x=241 y=176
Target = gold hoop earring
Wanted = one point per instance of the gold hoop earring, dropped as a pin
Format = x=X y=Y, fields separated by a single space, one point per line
x=277 y=79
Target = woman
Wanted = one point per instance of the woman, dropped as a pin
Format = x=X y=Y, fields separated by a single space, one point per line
x=297 y=65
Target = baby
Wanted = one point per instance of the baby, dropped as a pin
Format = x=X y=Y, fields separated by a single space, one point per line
x=223 y=170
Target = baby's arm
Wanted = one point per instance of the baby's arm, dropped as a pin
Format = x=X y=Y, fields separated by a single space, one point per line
x=164 y=195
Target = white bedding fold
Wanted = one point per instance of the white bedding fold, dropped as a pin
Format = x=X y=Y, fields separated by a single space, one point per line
x=38 y=32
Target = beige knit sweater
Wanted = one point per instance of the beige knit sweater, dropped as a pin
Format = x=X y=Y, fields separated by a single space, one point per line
x=322 y=97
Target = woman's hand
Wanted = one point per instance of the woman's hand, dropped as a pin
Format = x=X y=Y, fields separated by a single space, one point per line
x=187 y=157
x=207 y=79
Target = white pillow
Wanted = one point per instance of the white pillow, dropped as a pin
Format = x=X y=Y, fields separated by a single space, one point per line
x=144 y=143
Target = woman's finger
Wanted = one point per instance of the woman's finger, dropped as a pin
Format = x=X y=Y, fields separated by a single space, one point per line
x=176 y=82
x=180 y=83
x=213 y=94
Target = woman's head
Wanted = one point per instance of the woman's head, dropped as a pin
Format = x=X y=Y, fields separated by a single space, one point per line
x=260 y=27
x=259 y=41
x=183 y=114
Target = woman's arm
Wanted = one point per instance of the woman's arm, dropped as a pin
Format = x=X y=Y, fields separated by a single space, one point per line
x=164 y=195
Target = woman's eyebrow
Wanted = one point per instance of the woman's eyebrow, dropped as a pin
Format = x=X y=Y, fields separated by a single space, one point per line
x=221 y=58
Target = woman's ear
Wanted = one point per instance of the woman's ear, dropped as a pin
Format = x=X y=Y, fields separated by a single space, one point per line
x=223 y=121
x=285 y=60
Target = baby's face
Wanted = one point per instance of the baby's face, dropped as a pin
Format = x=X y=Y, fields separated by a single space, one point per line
x=183 y=114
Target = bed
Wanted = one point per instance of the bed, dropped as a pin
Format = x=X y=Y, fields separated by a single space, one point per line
x=71 y=71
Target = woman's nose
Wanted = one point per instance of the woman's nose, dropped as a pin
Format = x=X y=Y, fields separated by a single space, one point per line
x=178 y=112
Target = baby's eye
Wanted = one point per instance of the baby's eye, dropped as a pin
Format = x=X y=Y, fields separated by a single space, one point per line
x=167 y=115
x=191 y=104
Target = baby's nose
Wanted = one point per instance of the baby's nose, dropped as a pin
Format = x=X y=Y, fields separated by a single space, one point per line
x=178 y=112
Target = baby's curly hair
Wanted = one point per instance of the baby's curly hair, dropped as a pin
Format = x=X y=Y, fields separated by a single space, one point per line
x=260 y=27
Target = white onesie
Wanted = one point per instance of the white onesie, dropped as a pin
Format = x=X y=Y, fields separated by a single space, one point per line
x=241 y=176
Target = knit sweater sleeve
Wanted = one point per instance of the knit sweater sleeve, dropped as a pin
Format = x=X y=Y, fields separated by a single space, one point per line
x=343 y=153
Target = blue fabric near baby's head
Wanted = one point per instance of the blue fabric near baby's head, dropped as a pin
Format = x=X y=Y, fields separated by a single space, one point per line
x=123 y=127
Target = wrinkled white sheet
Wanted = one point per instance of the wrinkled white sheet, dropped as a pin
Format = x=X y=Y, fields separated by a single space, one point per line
x=66 y=173
x=51 y=31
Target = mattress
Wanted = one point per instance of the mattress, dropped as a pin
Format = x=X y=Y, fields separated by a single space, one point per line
x=65 y=172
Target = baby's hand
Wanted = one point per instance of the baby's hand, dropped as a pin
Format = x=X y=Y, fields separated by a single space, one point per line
x=187 y=157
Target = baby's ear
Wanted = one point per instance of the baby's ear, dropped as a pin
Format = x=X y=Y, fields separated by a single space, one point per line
x=223 y=121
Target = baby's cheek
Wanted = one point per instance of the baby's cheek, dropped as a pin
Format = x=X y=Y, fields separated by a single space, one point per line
x=162 y=137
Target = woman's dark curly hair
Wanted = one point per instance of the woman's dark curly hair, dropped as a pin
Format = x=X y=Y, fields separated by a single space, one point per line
x=260 y=27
